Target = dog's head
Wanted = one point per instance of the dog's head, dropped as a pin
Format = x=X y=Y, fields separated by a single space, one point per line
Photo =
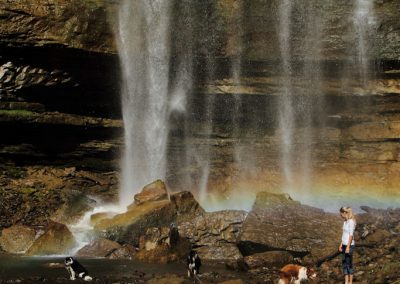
x=311 y=274
x=192 y=254
x=68 y=261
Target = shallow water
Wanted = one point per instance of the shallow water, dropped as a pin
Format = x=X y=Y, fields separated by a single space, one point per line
x=19 y=269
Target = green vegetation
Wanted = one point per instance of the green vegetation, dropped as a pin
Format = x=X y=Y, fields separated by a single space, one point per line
x=17 y=113
x=28 y=190
x=94 y=4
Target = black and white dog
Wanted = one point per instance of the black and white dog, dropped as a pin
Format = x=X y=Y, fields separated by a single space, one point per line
x=75 y=269
x=193 y=263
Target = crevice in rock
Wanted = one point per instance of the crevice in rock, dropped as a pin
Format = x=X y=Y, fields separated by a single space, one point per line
x=247 y=248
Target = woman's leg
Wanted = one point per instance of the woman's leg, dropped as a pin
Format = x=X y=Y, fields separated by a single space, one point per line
x=349 y=265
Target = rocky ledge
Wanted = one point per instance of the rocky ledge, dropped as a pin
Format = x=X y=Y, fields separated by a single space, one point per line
x=159 y=228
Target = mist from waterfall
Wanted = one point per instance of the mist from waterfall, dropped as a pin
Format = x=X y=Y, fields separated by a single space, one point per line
x=144 y=49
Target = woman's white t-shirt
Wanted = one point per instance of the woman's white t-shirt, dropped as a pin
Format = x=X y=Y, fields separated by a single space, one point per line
x=348 y=230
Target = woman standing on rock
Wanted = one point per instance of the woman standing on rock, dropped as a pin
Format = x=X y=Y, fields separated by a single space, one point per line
x=346 y=247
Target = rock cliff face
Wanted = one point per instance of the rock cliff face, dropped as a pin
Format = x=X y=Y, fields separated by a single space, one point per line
x=60 y=95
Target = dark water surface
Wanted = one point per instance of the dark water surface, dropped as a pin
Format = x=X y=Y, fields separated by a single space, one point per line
x=49 y=269
x=19 y=269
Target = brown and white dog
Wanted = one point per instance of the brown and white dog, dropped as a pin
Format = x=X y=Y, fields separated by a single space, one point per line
x=293 y=273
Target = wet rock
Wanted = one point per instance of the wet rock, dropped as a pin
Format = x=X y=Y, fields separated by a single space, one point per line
x=162 y=245
x=75 y=205
x=152 y=192
x=124 y=252
x=215 y=233
x=276 y=222
x=154 y=237
x=268 y=259
x=97 y=217
x=160 y=254
x=98 y=248
x=57 y=239
x=34 y=195
x=186 y=206
x=17 y=239
x=128 y=226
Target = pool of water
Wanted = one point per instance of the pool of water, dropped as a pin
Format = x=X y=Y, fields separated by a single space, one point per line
x=20 y=269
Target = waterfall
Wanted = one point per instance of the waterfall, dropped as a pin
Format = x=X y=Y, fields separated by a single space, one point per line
x=286 y=112
x=144 y=49
x=301 y=101
x=364 y=20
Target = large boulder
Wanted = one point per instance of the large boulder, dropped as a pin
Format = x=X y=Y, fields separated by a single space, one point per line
x=57 y=239
x=186 y=206
x=162 y=245
x=215 y=233
x=129 y=226
x=17 y=239
x=276 y=222
x=98 y=248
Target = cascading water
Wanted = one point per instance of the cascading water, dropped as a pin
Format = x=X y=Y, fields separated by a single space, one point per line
x=312 y=103
x=286 y=112
x=364 y=21
x=144 y=49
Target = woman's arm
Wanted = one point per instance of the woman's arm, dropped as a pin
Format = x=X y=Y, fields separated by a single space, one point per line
x=352 y=227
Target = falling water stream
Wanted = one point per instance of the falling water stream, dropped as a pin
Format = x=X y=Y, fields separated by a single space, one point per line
x=144 y=49
x=286 y=112
x=364 y=21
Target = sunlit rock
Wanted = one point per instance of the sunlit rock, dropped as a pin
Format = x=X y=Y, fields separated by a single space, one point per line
x=152 y=192
x=57 y=239
x=128 y=226
x=17 y=239
x=98 y=248
x=276 y=222
x=97 y=217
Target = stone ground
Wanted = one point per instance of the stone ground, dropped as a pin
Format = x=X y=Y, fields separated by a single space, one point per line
x=50 y=270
